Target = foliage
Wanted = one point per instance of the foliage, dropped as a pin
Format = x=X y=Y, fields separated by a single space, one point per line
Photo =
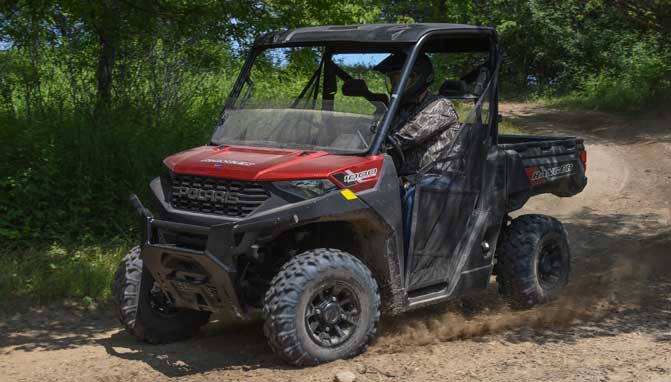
x=94 y=94
x=639 y=78
x=67 y=174
x=57 y=271
x=555 y=48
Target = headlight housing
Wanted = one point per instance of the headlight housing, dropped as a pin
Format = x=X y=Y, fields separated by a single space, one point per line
x=307 y=188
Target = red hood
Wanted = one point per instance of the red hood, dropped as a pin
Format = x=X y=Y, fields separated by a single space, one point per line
x=264 y=164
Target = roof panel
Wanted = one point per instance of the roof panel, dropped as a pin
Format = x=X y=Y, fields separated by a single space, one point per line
x=376 y=33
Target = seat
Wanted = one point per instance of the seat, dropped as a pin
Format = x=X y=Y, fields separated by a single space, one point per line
x=469 y=86
x=453 y=88
x=456 y=89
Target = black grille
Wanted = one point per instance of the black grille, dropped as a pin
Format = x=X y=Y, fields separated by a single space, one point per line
x=216 y=196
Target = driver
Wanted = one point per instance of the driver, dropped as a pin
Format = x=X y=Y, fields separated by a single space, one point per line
x=426 y=124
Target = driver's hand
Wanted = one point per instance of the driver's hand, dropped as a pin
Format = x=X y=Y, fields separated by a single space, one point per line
x=393 y=147
x=392 y=143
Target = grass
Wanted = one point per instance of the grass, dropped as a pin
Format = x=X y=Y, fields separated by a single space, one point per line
x=616 y=102
x=56 y=272
x=508 y=127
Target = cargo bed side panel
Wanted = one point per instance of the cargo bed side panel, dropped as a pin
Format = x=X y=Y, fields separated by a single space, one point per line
x=543 y=165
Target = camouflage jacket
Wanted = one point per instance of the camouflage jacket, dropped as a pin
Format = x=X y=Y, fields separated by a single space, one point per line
x=426 y=132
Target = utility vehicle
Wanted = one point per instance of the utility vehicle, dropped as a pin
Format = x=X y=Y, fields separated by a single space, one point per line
x=296 y=207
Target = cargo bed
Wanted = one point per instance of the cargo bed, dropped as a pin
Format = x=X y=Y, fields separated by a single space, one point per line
x=543 y=165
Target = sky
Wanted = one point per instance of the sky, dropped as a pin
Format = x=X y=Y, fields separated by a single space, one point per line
x=368 y=59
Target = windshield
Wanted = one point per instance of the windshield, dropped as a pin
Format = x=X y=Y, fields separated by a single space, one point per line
x=304 y=98
x=270 y=125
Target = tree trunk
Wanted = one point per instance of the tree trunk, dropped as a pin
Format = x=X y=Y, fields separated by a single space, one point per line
x=106 y=28
x=107 y=52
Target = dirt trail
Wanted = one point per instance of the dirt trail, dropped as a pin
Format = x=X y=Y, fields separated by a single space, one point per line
x=614 y=322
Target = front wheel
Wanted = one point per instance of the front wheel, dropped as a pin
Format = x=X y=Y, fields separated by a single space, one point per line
x=323 y=305
x=534 y=261
x=145 y=311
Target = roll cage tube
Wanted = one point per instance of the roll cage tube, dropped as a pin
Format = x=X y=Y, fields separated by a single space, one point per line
x=242 y=78
x=396 y=97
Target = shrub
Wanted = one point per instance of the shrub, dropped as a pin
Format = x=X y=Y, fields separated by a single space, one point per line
x=639 y=78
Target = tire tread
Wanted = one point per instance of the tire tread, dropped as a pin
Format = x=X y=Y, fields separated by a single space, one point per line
x=515 y=273
x=285 y=293
x=144 y=325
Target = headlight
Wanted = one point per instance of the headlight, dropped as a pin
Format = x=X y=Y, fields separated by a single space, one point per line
x=306 y=189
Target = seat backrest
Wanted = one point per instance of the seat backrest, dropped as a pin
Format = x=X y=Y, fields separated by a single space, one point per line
x=480 y=81
x=453 y=88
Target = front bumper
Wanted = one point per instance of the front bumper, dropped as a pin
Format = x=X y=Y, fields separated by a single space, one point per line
x=194 y=279
x=205 y=276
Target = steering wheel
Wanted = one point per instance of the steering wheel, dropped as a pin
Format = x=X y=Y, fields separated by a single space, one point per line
x=396 y=145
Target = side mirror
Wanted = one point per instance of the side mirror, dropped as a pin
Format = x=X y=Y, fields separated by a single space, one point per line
x=499 y=118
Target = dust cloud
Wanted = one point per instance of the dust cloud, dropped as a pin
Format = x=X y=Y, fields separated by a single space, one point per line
x=591 y=297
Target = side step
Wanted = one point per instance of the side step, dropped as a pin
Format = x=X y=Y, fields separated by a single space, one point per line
x=428 y=295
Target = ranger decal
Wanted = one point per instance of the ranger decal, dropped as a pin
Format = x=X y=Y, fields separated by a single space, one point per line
x=540 y=174
x=228 y=161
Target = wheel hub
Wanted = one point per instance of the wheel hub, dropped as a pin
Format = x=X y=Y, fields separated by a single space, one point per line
x=332 y=315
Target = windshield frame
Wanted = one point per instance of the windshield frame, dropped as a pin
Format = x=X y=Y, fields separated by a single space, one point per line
x=330 y=49
x=412 y=49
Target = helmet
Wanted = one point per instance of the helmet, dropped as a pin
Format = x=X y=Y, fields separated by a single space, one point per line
x=420 y=77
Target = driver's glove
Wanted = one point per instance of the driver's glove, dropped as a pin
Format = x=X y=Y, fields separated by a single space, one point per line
x=393 y=142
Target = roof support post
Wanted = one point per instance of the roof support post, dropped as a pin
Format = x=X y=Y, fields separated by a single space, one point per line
x=396 y=97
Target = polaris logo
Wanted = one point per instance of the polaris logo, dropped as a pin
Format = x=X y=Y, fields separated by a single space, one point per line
x=200 y=194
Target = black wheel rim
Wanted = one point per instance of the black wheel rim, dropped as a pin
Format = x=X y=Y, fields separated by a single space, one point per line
x=160 y=303
x=332 y=314
x=550 y=265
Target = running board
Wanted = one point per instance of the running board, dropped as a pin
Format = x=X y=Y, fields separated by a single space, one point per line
x=441 y=292
x=432 y=294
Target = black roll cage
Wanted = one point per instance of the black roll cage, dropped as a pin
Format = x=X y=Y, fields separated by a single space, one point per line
x=413 y=49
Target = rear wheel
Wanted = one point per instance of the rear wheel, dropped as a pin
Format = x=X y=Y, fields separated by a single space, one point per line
x=143 y=308
x=533 y=260
x=323 y=305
